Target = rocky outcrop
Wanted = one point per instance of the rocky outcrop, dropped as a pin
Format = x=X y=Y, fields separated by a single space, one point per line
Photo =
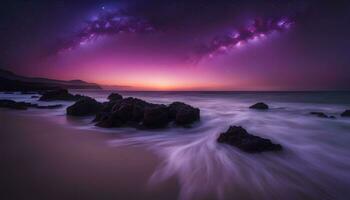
x=85 y=106
x=14 y=105
x=322 y=115
x=141 y=114
x=240 y=138
x=156 y=116
x=115 y=97
x=260 y=106
x=27 y=92
x=24 y=105
x=48 y=107
x=183 y=114
x=59 y=95
x=123 y=112
x=346 y=113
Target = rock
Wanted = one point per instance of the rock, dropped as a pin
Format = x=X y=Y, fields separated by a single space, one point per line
x=49 y=106
x=124 y=112
x=60 y=94
x=141 y=114
x=260 y=106
x=128 y=111
x=109 y=123
x=183 y=114
x=24 y=105
x=156 y=117
x=34 y=97
x=322 y=115
x=84 y=106
x=27 y=92
x=108 y=120
x=115 y=96
x=101 y=116
x=13 y=104
x=240 y=138
x=346 y=113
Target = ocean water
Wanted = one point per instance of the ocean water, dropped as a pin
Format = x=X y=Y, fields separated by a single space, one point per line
x=315 y=162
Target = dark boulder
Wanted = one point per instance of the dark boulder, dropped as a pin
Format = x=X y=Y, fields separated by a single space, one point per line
x=107 y=106
x=115 y=96
x=322 y=115
x=24 y=105
x=49 y=106
x=183 y=114
x=123 y=112
x=130 y=109
x=137 y=113
x=28 y=92
x=60 y=94
x=13 y=104
x=240 y=138
x=260 y=106
x=109 y=122
x=101 y=116
x=156 y=116
x=84 y=106
x=346 y=113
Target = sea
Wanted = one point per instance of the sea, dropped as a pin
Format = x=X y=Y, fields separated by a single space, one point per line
x=314 y=163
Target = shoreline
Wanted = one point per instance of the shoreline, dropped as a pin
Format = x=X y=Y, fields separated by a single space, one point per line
x=44 y=160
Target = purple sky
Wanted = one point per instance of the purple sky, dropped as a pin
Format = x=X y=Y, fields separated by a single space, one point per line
x=181 y=45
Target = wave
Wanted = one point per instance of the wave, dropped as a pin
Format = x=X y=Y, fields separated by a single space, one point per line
x=314 y=164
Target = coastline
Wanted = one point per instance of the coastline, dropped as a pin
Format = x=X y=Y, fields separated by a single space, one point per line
x=44 y=160
x=51 y=155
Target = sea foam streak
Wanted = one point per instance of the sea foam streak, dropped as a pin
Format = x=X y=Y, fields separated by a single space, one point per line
x=314 y=164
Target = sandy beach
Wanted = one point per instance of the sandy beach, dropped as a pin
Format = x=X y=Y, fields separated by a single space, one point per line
x=43 y=160
x=47 y=154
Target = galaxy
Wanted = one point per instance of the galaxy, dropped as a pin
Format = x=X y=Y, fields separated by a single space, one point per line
x=107 y=22
x=181 y=45
x=257 y=30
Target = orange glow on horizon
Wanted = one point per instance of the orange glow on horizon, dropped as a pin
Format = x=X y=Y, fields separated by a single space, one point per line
x=161 y=85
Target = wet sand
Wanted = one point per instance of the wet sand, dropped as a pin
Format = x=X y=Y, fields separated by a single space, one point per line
x=44 y=160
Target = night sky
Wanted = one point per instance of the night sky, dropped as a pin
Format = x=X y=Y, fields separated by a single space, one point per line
x=181 y=45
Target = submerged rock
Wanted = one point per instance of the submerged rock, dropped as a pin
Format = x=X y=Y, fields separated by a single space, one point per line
x=101 y=116
x=84 y=106
x=60 y=94
x=138 y=113
x=109 y=122
x=322 y=115
x=346 y=113
x=28 y=92
x=260 y=106
x=115 y=96
x=34 y=97
x=240 y=138
x=49 y=106
x=13 y=104
x=24 y=105
x=183 y=114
